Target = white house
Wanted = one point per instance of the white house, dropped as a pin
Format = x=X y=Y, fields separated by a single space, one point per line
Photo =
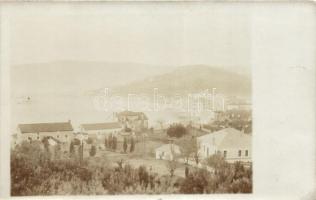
x=61 y=131
x=101 y=130
x=167 y=152
x=232 y=144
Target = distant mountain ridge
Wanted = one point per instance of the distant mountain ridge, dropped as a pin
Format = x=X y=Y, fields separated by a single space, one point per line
x=190 y=79
x=76 y=77
x=89 y=78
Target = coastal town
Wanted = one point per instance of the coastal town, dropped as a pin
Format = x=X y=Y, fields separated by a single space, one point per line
x=144 y=101
x=168 y=149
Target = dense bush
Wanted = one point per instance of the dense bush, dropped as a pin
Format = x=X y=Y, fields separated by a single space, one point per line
x=229 y=178
x=93 y=151
x=89 y=140
x=234 y=179
x=132 y=147
x=125 y=145
x=176 y=130
x=195 y=183
x=34 y=173
x=111 y=142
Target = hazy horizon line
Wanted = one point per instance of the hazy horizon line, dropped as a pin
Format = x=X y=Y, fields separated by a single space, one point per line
x=247 y=70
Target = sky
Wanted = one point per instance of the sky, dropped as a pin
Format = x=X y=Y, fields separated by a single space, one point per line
x=165 y=34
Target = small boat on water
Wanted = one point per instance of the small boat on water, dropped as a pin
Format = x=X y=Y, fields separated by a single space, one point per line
x=24 y=100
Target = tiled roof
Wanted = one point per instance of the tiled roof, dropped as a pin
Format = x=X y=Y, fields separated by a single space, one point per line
x=227 y=138
x=45 y=127
x=101 y=126
x=131 y=113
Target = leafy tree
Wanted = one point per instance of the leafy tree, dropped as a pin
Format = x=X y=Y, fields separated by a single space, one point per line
x=217 y=161
x=46 y=143
x=71 y=149
x=114 y=143
x=34 y=174
x=143 y=176
x=172 y=166
x=76 y=141
x=125 y=145
x=93 y=151
x=106 y=143
x=89 y=140
x=177 y=130
x=187 y=171
x=132 y=148
x=195 y=183
x=110 y=141
x=80 y=153
x=57 y=151
x=196 y=158
x=188 y=147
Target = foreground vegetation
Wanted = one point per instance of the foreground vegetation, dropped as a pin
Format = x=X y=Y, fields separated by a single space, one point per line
x=35 y=172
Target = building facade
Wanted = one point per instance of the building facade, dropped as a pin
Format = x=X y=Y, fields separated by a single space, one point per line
x=61 y=131
x=137 y=121
x=232 y=144
x=101 y=130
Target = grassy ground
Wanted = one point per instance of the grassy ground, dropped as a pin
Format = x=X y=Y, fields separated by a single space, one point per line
x=144 y=154
x=109 y=158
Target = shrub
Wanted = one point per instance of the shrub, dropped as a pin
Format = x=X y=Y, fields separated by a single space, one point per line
x=195 y=183
x=125 y=145
x=132 y=148
x=216 y=161
x=32 y=173
x=89 y=140
x=114 y=143
x=93 y=151
x=177 y=130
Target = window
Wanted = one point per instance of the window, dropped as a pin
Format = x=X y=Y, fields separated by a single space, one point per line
x=246 y=153
x=239 y=153
x=225 y=154
x=37 y=137
x=57 y=136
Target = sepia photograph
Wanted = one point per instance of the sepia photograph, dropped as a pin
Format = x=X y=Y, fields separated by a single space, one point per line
x=148 y=101
x=157 y=100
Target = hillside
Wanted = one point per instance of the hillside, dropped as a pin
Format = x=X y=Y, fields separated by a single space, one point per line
x=191 y=79
x=76 y=77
